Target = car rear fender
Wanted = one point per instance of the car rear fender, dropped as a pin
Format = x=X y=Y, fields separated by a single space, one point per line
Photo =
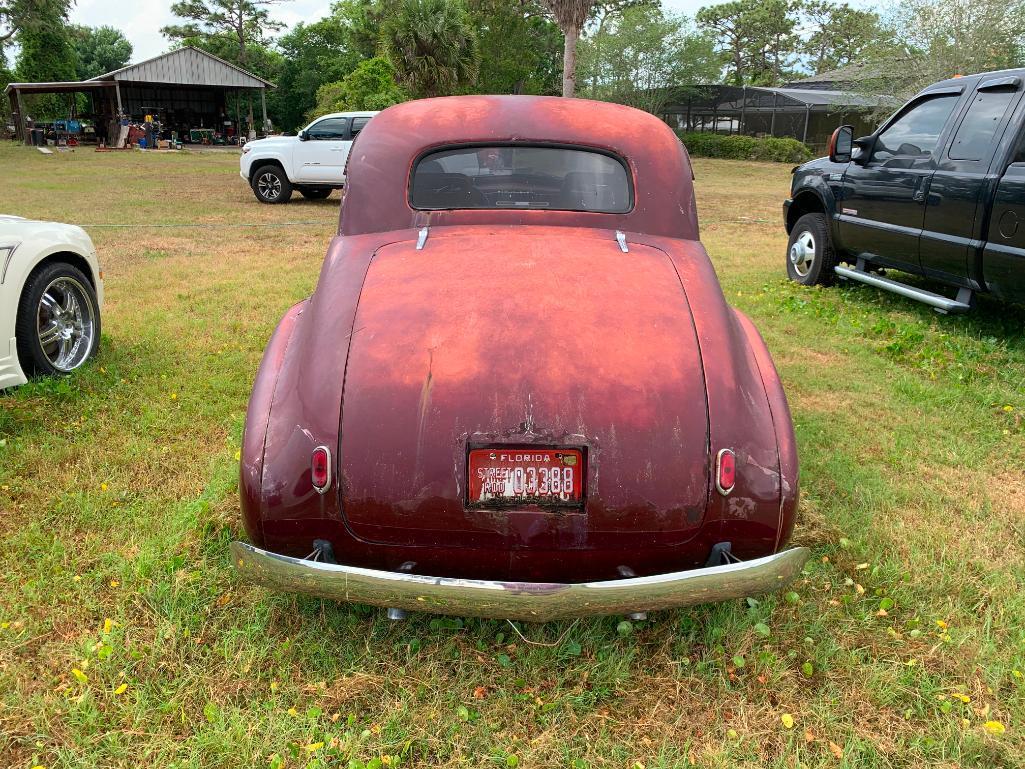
x=301 y=412
x=786 y=443
x=254 y=434
x=740 y=411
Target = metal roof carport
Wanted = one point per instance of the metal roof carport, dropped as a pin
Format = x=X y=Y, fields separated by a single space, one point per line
x=151 y=81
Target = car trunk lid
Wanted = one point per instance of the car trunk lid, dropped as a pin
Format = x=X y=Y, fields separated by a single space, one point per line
x=523 y=337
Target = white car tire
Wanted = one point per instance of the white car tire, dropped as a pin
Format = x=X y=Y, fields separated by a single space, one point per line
x=58 y=323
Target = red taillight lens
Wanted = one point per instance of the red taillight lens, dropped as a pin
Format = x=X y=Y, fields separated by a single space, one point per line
x=725 y=471
x=320 y=468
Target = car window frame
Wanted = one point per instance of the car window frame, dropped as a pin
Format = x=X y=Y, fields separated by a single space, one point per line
x=1001 y=129
x=955 y=93
x=345 y=133
x=352 y=122
x=631 y=181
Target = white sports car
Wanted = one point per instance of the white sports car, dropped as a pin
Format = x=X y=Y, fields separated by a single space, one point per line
x=51 y=291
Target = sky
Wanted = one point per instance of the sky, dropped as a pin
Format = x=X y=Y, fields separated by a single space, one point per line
x=141 y=20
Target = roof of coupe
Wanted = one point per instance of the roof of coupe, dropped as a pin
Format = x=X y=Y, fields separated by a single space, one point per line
x=382 y=159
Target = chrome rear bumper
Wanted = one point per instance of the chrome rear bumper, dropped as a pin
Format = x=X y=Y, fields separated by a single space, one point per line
x=530 y=601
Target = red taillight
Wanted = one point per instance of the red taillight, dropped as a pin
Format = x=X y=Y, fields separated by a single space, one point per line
x=320 y=468
x=725 y=471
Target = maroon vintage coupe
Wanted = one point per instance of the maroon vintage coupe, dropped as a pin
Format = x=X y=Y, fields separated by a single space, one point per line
x=518 y=390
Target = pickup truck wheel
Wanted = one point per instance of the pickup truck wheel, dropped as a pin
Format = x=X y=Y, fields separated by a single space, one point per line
x=270 y=185
x=810 y=254
x=315 y=193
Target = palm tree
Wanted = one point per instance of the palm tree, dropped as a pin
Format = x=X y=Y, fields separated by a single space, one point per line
x=570 y=15
x=432 y=47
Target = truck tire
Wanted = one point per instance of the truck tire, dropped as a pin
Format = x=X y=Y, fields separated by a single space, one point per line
x=811 y=258
x=315 y=193
x=271 y=185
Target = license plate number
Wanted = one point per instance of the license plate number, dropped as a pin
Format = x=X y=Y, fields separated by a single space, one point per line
x=502 y=476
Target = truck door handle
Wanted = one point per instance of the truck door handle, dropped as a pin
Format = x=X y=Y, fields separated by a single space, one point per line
x=919 y=196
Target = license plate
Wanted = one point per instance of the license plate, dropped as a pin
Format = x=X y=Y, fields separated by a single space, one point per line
x=547 y=477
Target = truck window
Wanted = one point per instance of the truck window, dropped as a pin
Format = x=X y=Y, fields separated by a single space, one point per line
x=330 y=128
x=357 y=125
x=914 y=134
x=974 y=137
x=1019 y=150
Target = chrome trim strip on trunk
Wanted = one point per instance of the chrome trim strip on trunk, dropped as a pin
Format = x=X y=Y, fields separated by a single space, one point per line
x=529 y=601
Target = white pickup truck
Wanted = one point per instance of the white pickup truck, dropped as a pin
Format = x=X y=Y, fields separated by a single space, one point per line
x=312 y=162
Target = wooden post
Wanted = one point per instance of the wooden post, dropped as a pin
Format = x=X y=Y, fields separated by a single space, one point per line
x=23 y=123
x=807 y=117
x=263 y=105
x=15 y=115
x=772 y=122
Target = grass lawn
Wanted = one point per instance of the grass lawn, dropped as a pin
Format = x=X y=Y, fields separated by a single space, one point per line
x=127 y=641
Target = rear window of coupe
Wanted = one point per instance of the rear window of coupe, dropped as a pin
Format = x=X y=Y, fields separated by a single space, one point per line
x=521 y=177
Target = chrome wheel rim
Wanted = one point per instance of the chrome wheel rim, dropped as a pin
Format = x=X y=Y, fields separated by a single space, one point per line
x=802 y=253
x=66 y=323
x=269 y=185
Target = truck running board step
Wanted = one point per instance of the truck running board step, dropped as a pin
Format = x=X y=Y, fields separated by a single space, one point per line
x=941 y=304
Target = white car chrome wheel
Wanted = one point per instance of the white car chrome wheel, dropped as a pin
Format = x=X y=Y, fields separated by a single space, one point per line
x=66 y=323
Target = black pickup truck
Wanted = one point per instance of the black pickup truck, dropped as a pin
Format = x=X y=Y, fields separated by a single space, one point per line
x=938 y=190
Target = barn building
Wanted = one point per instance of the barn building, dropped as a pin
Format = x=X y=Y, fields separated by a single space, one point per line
x=187 y=92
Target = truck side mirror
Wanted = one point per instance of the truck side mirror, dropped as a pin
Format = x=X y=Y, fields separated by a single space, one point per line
x=303 y=136
x=865 y=146
x=841 y=144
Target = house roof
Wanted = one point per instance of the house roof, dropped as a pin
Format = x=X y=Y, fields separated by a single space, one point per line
x=187 y=66
x=852 y=74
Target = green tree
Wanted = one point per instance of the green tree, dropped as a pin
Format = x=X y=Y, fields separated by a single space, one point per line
x=313 y=55
x=571 y=16
x=371 y=86
x=645 y=58
x=16 y=15
x=734 y=35
x=941 y=38
x=236 y=30
x=46 y=54
x=757 y=39
x=928 y=40
x=99 y=50
x=839 y=36
x=6 y=76
x=522 y=45
x=244 y=22
x=432 y=47
x=362 y=20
